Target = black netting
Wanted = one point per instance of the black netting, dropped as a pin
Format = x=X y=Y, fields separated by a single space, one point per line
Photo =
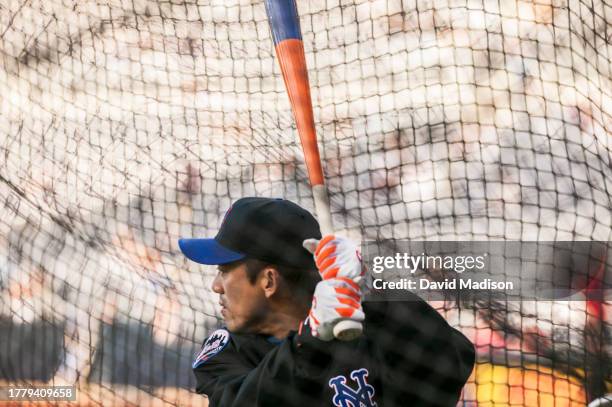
x=126 y=124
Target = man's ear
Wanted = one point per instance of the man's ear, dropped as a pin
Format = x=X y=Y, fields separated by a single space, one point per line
x=270 y=281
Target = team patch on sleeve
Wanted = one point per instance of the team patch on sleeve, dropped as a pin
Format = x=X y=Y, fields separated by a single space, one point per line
x=213 y=345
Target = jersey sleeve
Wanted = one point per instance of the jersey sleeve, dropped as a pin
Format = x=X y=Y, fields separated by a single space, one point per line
x=421 y=357
x=249 y=371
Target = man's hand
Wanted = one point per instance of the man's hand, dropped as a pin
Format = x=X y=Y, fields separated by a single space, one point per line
x=335 y=257
x=334 y=299
x=338 y=296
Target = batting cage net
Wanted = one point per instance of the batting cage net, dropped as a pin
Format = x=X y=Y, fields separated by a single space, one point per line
x=126 y=124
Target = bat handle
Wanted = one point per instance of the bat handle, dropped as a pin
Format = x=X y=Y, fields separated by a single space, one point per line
x=321 y=201
x=346 y=329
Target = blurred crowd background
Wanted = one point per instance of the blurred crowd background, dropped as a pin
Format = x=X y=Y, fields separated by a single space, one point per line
x=126 y=124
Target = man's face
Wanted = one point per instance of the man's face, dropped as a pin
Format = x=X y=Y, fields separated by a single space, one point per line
x=243 y=303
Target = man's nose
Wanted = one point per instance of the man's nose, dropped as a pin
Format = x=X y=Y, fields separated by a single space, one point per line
x=217 y=287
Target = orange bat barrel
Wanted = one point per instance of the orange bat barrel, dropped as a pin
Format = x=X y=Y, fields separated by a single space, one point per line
x=285 y=27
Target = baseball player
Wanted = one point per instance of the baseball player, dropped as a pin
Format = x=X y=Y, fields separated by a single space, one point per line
x=280 y=303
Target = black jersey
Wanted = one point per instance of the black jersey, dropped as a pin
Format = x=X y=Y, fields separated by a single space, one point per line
x=407 y=356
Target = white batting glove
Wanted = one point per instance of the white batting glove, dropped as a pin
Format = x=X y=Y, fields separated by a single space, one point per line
x=334 y=299
x=336 y=257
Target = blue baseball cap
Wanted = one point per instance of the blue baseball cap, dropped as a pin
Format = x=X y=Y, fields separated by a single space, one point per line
x=265 y=229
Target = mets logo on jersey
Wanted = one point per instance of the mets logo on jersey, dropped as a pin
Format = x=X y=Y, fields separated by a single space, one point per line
x=213 y=345
x=346 y=396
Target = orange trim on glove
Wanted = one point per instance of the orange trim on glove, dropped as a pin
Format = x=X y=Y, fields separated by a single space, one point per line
x=323 y=242
x=345 y=312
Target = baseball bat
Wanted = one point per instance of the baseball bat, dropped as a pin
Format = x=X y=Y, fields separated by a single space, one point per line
x=287 y=36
